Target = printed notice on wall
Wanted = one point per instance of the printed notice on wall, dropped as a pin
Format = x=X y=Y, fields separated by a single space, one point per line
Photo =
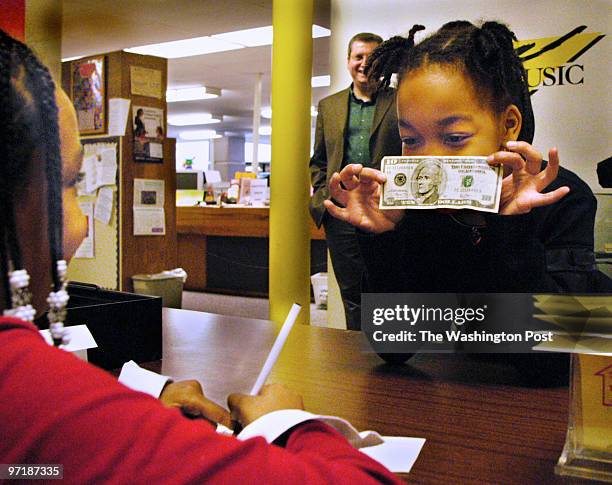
x=146 y=82
x=149 y=215
x=118 y=112
x=104 y=205
x=86 y=249
x=148 y=134
x=99 y=169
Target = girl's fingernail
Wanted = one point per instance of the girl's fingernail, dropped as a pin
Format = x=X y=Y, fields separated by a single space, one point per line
x=511 y=144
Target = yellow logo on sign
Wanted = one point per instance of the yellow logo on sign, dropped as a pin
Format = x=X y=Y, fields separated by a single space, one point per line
x=551 y=61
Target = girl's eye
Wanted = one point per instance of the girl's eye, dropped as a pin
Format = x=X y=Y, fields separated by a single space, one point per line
x=410 y=142
x=456 y=139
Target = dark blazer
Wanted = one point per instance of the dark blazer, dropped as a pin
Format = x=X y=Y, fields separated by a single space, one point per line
x=329 y=141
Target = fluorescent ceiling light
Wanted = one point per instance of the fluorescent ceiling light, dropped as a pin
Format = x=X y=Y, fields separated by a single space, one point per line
x=249 y=37
x=227 y=41
x=68 y=59
x=185 y=48
x=199 y=135
x=320 y=81
x=265 y=130
x=267 y=112
x=263 y=35
x=191 y=94
x=188 y=119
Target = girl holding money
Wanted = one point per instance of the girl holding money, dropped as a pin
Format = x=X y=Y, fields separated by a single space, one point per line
x=463 y=92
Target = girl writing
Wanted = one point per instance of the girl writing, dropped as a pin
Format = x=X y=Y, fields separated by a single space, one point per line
x=58 y=409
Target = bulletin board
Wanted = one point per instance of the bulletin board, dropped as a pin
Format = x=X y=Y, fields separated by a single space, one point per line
x=103 y=268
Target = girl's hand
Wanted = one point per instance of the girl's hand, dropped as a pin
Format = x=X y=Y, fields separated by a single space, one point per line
x=358 y=189
x=272 y=397
x=522 y=189
x=189 y=398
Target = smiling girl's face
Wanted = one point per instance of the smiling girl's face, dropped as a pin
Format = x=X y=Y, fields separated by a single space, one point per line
x=440 y=113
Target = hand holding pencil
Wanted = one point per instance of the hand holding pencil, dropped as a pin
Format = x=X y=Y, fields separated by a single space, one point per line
x=265 y=399
x=272 y=397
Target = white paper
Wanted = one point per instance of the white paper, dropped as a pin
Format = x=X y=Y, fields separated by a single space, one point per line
x=86 y=249
x=104 y=205
x=258 y=191
x=79 y=335
x=212 y=176
x=143 y=380
x=99 y=169
x=149 y=221
x=89 y=169
x=118 y=112
x=253 y=191
x=156 y=150
x=397 y=453
x=149 y=215
x=106 y=167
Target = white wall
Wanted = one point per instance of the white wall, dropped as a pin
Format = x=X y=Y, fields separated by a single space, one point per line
x=575 y=118
x=198 y=151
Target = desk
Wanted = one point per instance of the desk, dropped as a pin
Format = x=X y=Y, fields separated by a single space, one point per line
x=480 y=426
x=237 y=240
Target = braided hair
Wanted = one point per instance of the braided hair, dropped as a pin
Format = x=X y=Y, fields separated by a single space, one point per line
x=29 y=122
x=485 y=53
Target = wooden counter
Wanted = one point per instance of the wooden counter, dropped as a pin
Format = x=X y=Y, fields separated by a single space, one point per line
x=482 y=423
x=239 y=221
x=195 y=224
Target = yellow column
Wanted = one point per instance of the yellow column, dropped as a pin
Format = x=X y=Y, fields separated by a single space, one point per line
x=290 y=188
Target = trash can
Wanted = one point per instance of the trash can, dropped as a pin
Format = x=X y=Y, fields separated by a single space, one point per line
x=167 y=284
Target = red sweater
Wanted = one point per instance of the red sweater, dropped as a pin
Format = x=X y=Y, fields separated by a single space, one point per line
x=56 y=409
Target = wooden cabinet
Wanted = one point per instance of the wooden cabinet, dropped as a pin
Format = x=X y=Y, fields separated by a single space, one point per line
x=137 y=254
x=210 y=232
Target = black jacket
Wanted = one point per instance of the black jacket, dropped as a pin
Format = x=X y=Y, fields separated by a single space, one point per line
x=548 y=250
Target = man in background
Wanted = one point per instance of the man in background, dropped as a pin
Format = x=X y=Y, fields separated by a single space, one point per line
x=355 y=125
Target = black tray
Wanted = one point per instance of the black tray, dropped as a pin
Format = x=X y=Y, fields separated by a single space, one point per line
x=126 y=326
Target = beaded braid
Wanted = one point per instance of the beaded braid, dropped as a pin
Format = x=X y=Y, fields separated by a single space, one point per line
x=39 y=81
x=31 y=119
x=388 y=57
x=16 y=147
x=486 y=53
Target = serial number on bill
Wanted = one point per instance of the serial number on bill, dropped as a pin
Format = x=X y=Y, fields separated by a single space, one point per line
x=28 y=471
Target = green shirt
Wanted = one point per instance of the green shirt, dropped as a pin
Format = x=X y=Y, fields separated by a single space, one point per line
x=357 y=135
